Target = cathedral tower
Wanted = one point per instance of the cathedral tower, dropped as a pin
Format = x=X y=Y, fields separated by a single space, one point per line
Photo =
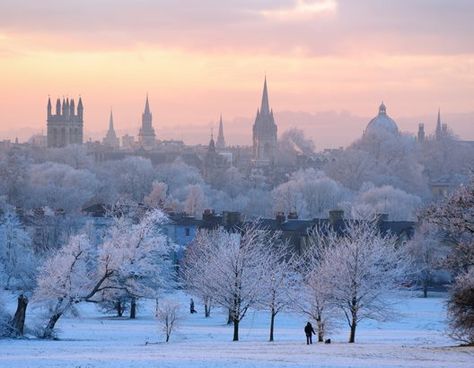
x=111 y=138
x=220 y=144
x=146 y=136
x=65 y=126
x=264 y=132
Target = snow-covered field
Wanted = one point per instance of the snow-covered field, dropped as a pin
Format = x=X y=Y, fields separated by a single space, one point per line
x=414 y=339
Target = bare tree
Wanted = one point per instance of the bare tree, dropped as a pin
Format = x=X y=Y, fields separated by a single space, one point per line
x=79 y=272
x=233 y=273
x=167 y=314
x=362 y=267
x=280 y=278
x=427 y=254
x=314 y=296
x=461 y=308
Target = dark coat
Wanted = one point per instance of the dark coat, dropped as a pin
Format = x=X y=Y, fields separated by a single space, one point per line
x=308 y=329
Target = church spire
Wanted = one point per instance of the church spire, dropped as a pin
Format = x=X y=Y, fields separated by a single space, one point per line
x=147 y=106
x=49 y=108
x=265 y=108
x=111 y=121
x=220 y=144
x=439 y=131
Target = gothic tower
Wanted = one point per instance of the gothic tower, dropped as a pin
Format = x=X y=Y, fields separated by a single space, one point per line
x=111 y=138
x=65 y=126
x=439 y=130
x=146 y=136
x=264 y=132
x=220 y=144
x=421 y=133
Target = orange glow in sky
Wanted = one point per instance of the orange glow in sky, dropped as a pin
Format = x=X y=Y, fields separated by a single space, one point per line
x=197 y=62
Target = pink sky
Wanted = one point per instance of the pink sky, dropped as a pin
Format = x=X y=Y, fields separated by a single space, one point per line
x=197 y=59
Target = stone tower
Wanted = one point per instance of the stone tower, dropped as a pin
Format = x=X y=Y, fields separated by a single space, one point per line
x=264 y=132
x=220 y=144
x=66 y=125
x=146 y=136
x=111 y=138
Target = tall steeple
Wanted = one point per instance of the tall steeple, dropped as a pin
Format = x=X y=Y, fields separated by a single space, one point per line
x=265 y=107
x=147 y=106
x=439 y=131
x=264 y=132
x=111 y=121
x=49 y=107
x=220 y=144
x=111 y=139
x=146 y=135
x=80 y=109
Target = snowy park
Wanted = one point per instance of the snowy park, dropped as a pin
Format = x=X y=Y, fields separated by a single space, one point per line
x=415 y=339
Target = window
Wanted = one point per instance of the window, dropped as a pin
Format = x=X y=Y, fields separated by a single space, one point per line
x=187 y=231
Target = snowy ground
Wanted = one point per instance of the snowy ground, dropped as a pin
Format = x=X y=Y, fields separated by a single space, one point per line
x=416 y=339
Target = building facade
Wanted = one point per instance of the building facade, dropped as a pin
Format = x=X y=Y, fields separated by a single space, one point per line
x=66 y=125
x=146 y=135
x=264 y=132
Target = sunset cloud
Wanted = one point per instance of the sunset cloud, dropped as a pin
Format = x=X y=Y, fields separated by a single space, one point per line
x=200 y=58
x=302 y=10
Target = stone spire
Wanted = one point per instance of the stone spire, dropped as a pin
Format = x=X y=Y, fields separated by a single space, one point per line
x=265 y=107
x=111 y=138
x=439 y=131
x=264 y=132
x=49 y=108
x=146 y=135
x=220 y=144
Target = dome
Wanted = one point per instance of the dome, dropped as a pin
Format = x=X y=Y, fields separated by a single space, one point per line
x=382 y=122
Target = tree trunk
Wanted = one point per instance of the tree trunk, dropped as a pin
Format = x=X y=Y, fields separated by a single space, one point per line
x=119 y=308
x=320 y=324
x=207 y=308
x=272 y=323
x=48 y=331
x=236 y=330
x=133 y=308
x=353 y=331
x=230 y=318
x=18 y=321
x=425 y=289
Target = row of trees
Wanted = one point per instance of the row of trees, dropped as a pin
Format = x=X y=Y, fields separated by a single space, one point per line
x=349 y=273
x=132 y=261
x=352 y=273
x=369 y=176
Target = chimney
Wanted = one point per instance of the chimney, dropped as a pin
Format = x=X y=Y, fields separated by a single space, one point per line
x=231 y=219
x=280 y=218
x=293 y=215
x=335 y=216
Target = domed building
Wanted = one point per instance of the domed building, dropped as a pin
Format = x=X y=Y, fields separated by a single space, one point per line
x=382 y=123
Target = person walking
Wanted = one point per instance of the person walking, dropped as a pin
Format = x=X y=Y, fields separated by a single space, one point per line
x=309 y=331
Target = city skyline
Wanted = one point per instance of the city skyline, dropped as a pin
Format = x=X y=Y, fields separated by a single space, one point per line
x=200 y=61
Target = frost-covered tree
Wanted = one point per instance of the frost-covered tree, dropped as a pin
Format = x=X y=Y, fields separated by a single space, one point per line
x=427 y=254
x=143 y=257
x=60 y=186
x=363 y=267
x=317 y=302
x=309 y=193
x=396 y=203
x=195 y=200
x=232 y=269
x=80 y=271
x=158 y=197
x=455 y=216
x=461 y=308
x=168 y=317
x=16 y=254
x=280 y=279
